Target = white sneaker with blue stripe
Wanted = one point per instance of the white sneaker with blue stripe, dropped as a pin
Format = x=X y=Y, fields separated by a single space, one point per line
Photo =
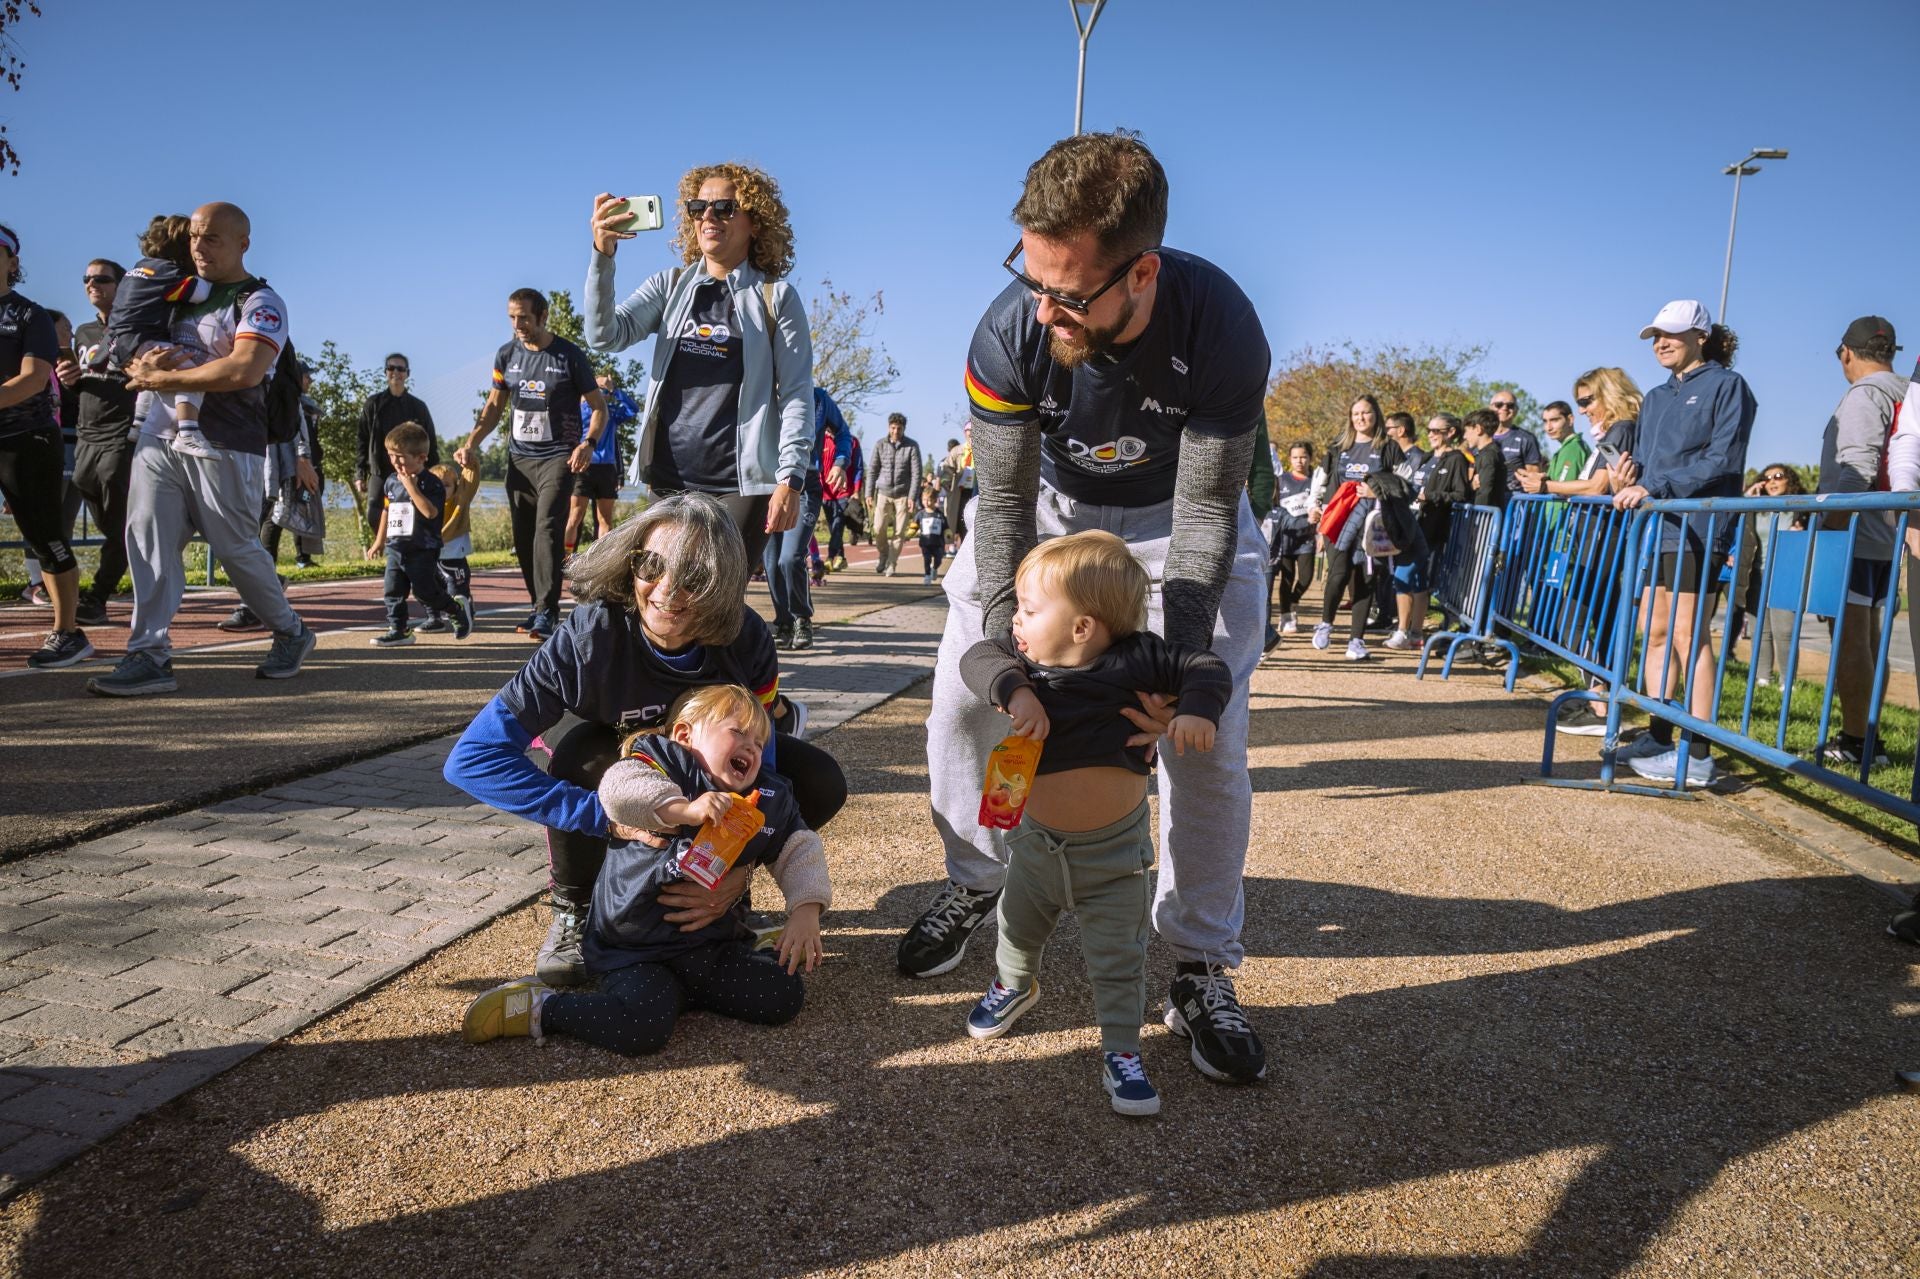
x=1663 y=767
x=999 y=1008
x=1124 y=1076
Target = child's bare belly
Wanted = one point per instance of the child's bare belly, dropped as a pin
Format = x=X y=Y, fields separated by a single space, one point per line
x=1085 y=798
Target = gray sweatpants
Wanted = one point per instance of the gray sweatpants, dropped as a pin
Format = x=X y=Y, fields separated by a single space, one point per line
x=169 y=498
x=1206 y=805
x=1101 y=876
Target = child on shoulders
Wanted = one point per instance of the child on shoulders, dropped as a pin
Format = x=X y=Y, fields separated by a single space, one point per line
x=1079 y=652
x=657 y=796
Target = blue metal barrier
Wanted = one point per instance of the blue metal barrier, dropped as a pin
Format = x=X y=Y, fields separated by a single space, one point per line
x=1463 y=587
x=1569 y=565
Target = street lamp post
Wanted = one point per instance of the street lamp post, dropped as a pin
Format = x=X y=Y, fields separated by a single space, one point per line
x=1086 y=33
x=1746 y=168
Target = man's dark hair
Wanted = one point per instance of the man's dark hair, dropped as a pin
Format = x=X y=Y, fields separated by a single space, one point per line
x=114 y=269
x=1879 y=348
x=1566 y=409
x=398 y=356
x=1106 y=183
x=533 y=299
x=953 y=444
x=1486 y=419
x=1404 y=419
x=901 y=418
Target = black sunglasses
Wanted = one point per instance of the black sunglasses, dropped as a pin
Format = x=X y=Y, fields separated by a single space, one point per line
x=397 y=368
x=1079 y=306
x=1776 y=476
x=1585 y=401
x=96 y=279
x=721 y=209
x=1503 y=404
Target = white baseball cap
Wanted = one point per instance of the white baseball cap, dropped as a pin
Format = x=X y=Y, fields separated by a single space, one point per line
x=1679 y=317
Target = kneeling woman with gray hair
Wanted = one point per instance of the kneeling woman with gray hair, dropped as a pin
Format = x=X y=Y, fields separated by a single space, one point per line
x=662 y=610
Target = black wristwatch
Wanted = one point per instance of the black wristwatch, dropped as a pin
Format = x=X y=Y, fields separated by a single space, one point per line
x=798 y=483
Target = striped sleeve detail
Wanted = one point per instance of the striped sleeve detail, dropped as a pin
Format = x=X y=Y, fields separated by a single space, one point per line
x=769 y=692
x=244 y=336
x=499 y=377
x=986 y=398
x=182 y=291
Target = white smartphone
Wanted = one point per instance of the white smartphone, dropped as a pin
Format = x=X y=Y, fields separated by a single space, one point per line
x=642 y=213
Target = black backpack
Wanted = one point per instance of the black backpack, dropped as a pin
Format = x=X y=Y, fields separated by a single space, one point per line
x=283 y=388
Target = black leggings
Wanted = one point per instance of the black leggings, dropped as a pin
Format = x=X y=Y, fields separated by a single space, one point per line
x=636 y=1007
x=1341 y=570
x=583 y=754
x=33 y=480
x=1293 y=574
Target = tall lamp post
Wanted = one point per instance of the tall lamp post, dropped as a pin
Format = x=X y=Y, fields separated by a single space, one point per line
x=1746 y=168
x=1085 y=28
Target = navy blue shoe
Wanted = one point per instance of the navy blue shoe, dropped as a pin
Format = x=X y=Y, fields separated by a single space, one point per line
x=999 y=1008
x=1124 y=1076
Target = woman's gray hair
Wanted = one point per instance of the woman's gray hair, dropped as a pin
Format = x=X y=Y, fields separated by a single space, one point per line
x=705 y=558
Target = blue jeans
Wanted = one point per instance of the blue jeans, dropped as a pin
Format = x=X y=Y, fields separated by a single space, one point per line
x=416 y=569
x=786 y=562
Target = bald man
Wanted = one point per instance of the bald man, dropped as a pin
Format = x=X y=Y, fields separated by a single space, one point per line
x=242 y=328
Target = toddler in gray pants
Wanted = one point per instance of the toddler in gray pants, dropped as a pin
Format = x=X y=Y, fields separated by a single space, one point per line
x=1077 y=653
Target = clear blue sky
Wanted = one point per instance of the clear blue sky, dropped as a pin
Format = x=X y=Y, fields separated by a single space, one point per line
x=1537 y=177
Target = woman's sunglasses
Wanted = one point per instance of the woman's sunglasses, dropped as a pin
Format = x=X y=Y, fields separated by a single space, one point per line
x=1585 y=401
x=1776 y=476
x=721 y=209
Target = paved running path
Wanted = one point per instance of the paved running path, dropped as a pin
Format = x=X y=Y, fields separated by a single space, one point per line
x=141 y=964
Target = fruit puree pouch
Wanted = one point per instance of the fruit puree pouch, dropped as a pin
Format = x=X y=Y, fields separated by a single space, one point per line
x=718 y=844
x=1010 y=770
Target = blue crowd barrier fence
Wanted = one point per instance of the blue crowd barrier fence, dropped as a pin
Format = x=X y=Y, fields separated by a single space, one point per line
x=1619 y=595
x=1463 y=587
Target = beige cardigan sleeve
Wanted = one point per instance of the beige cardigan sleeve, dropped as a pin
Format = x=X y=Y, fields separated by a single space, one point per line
x=801 y=871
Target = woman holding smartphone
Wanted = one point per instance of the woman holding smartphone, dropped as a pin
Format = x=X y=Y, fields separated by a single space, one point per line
x=729 y=408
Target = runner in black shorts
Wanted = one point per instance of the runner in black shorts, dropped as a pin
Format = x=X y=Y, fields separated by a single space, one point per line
x=542 y=378
x=32 y=457
x=598 y=488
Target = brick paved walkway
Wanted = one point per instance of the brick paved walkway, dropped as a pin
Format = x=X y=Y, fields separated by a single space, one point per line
x=139 y=965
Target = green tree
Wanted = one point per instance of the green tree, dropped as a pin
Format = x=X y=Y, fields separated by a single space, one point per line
x=340 y=390
x=1315 y=387
x=566 y=323
x=849 y=363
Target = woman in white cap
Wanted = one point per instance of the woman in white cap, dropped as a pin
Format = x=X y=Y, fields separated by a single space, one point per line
x=1693 y=437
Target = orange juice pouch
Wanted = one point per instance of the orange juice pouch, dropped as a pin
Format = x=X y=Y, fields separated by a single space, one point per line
x=1010 y=770
x=717 y=844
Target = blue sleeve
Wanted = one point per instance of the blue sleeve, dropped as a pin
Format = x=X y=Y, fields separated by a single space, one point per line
x=490 y=763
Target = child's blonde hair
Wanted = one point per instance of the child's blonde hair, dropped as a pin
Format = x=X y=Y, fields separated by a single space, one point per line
x=409 y=438
x=1097 y=574
x=717 y=702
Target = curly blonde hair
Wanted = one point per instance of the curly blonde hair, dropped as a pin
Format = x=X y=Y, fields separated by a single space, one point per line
x=772 y=249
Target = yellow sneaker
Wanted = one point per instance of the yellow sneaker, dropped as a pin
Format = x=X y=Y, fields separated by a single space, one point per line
x=505 y=1010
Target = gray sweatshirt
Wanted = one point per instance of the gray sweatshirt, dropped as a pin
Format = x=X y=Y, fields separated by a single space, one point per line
x=1853 y=451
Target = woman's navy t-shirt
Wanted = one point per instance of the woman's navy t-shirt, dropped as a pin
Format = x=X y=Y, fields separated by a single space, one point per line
x=26 y=330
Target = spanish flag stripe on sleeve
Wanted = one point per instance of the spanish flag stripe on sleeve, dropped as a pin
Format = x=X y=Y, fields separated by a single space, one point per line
x=499 y=378
x=182 y=290
x=988 y=399
x=767 y=694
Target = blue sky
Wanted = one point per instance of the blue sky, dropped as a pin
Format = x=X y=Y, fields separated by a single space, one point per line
x=1537 y=177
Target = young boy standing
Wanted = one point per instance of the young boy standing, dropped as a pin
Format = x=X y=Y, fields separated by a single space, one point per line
x=1077 y=653
x=931 y=526
x=410 y=536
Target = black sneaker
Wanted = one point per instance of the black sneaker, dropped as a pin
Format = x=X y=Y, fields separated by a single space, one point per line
x=1202 y=1008
x=436 y=623
x=938 y=939
x=803 y=634
x=137 y=675
x=533 y=620
x=561 y=961
x=61 y=648
x=90 y=611
x=540 y=629
x=463 y=620
x=306 y=561
x=783 y=637
x=1906 y=925
x=1577 y=717
x=288 y=653
x=393 y=638
x=241 y=619
x=1846 y=751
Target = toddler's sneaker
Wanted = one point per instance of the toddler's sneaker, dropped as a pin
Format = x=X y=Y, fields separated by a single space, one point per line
x=1322 y=634
x=1357 y=649
x=190 y=441
x=999 y=1008
x=1124 y=1076
x=393 y=638
x=1400 y=640
x=435 y=624
x=509 y=1009
x=463 y=620
x=1289 y=624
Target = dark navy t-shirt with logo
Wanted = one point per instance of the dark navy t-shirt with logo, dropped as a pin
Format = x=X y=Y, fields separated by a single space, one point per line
x=1357 y=461
x=544 y=389
x=698 y=446
x=1111 y=428
x=26 y=330
x=407 y=528
x=1520 y=448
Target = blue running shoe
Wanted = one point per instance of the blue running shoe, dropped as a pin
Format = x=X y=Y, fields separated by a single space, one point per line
x=1124 y=1076
x=999 y=1008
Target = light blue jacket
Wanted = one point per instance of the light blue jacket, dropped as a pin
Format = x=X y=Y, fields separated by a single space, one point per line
x=776 y=374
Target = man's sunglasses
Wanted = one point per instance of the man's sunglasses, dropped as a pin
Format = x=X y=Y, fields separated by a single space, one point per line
x=1504 y=404
x=96 y=279
x=397 y=368
x=1585 y=401
x=1079 y=306
x=721 y=209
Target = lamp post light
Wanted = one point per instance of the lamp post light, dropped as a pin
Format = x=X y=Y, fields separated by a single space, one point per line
x=1085 y=28
x=1746 y=168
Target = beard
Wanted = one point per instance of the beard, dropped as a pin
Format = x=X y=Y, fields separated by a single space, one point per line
x=1072 y=353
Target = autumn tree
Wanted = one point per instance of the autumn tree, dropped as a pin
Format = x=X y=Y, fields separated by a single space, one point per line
x=11 y=65
x=849 y=363
x=1315 y=387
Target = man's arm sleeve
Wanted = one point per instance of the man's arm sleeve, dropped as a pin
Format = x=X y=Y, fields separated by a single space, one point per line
x=1006 y=460
x=1207 y=494
x=1862 y=436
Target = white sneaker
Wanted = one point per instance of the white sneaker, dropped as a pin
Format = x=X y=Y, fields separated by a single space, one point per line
x=1400 y=640
x=1661 y=767
x=191 y=443
x=1356 y=650
x=1641 y=747
x=1323 y=634
x=1289 y=624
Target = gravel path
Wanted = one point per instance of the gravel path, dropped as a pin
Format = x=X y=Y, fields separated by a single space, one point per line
x=1514 y=1031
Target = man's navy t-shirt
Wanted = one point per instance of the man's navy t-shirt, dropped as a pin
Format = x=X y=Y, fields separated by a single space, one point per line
x=1111 y=428
x=1520 y=448
x=544 y=389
